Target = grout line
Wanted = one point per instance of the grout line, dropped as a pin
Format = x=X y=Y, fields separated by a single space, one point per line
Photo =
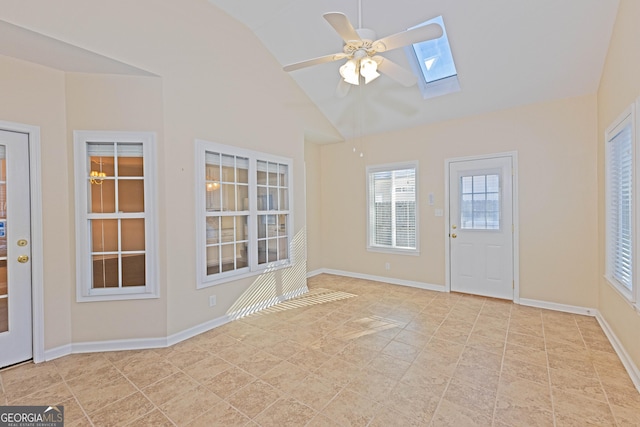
x=546 y=353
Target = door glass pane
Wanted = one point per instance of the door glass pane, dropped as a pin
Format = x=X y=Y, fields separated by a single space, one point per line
x=480 y=202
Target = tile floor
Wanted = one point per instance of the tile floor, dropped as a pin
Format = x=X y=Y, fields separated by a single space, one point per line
x=352 y=353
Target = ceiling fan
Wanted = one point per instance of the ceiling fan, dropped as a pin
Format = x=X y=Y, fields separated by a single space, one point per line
x=361 y=50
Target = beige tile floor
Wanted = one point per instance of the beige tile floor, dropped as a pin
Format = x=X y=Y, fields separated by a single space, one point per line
x=352 y=353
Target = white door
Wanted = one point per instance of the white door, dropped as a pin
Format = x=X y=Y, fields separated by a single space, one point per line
x=15 y=244
x=481 y=227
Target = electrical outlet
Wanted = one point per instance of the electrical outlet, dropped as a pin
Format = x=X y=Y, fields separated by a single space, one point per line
x=387 y=266
x=212 y=300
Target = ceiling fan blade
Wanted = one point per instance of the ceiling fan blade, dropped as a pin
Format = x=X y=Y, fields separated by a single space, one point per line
x=342 y=25
x=396 y=72
x=342 y=89
x=405 y=38
x=314 y=61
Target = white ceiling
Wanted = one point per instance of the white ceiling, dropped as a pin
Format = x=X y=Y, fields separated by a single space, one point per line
x=507 y=53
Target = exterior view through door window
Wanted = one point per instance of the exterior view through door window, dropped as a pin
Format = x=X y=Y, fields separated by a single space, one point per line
x=480 y=205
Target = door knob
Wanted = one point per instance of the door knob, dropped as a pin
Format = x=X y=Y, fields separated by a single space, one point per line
x=23 y=258
x=454 y=235
x=454 y=226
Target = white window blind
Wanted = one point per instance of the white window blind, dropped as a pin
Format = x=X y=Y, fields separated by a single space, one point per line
x=620 y=204
x=392 y=207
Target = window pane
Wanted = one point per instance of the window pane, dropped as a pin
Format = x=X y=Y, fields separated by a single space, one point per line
x=104 y=235
x=242 y=165
x=283 y=176
x=132 y=234
x=105 y=271
x=133 y=270
x=228 y=168
x=243 y=197
x=272 y=227
x=228 y=258
x=213 y=260
x=241 y=255
x=273 y=174
x=228 y=197
x=262 y=226
x=284 y=199
x=102 y=197
x=102 y=164
x=263 y=199
x=282 y=225
x=480 y=202
x=130 y=166
x=283 y=248
x=262 y=252
x=131 y=195
x=273 y=199
x=213 y=230
x=212 y=196
x=272 y=250
x=227 y=232
x=242 y=233
x=262 y=172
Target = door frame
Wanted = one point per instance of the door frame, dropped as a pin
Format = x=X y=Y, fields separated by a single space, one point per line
x=516 y=218
x=37 y=265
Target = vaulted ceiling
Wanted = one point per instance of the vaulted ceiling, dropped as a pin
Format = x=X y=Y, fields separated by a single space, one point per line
x=507 y=53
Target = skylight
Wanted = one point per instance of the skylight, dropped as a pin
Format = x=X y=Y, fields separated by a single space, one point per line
x=432 y=61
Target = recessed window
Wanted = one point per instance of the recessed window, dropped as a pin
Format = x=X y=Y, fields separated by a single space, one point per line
x=244 y=220
x=432 y=61
x=392 y=210
x=115 y=215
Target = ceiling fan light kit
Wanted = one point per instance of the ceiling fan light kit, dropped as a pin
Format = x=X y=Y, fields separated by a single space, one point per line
x=361 y=51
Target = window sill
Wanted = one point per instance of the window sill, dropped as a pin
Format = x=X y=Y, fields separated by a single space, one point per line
x=106 y=296
x=207 y=283
x=624 y=293
x=412 y=252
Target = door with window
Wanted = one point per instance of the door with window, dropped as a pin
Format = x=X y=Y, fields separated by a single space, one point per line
x=15 y=244
x=481 y=227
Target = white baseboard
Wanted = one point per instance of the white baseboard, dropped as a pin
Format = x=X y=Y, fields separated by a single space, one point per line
x=149 y=343
x=632 y=369
x=393 y=281
x=573 y=309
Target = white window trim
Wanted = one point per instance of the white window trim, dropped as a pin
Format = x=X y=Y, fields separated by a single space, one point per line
x=629 y=115
x=84 y=292
x=204 y=281
x=391 y=167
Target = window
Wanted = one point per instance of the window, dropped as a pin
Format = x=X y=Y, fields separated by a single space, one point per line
x=432 y=61
x=392 y=213
x=115 y=215
x=621 y=198
x=480 y=204
x=244 y=224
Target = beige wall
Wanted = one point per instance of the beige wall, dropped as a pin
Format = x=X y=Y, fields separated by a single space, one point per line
x=315 y=210
x=125 y=103
x=35 y=95
x=556 y=144
x=619 y=87
x=207 y=88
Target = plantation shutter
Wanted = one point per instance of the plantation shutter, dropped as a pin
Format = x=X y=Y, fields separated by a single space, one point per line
x=620 y=212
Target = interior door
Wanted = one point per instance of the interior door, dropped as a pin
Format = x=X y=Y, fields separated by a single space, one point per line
x=481 y=227
x=15 y=243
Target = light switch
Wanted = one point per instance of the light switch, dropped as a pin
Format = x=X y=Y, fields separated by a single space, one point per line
x=439 y=212
x=431 y=199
